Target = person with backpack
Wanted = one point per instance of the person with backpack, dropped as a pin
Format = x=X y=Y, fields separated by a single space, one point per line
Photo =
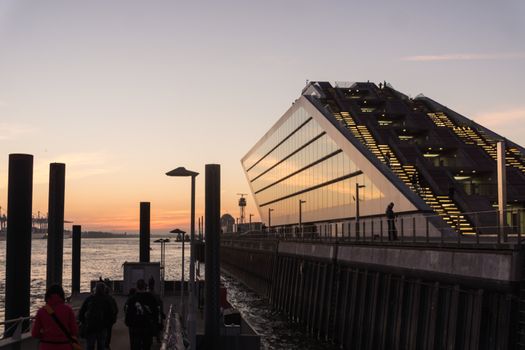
x=95 y=316
x=160 y=307
x=141 y=314
x=114 y=313
x=55 y=325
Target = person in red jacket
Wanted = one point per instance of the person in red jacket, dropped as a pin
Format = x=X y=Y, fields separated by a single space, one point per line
x=46 y=329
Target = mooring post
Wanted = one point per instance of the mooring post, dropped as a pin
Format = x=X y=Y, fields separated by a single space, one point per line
x=75 y=257
x=212 y=267
x=18 y=240
x=144 y=231
x=55 y=226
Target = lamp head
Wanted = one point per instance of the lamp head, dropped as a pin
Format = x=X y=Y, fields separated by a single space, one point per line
x=181 y=171
x=178 y=231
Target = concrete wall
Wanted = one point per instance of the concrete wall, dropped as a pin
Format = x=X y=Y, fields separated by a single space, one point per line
x=496 y=265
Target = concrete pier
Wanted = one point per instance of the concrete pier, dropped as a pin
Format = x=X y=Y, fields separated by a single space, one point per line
x=388 y=296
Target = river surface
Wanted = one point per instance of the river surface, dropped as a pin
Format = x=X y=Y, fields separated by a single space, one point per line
x=103 y=257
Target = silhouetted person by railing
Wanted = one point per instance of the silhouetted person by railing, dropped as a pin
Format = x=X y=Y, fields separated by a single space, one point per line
x=55 y=325
x=390 y=217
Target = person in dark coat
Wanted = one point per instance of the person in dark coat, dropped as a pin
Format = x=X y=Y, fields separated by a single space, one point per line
x=95 y=316
x=45 y=327
x=390 y=217
x=114 y=313
x=160 y=306
x=142 y=312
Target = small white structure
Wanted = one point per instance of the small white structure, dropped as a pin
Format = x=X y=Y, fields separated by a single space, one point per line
x=133 y=271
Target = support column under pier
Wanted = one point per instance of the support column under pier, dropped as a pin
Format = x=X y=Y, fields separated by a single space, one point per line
x=18 y=239
x=212 y=267
x=144 y=232
x=55 y=228
x=76 y=259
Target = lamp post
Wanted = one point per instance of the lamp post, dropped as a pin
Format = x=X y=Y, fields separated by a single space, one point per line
x=251 y=221
x=183 y=172
x=162 y=242
x=269 y=219
x=301 y=202
x=181 y=234
x=357 y=187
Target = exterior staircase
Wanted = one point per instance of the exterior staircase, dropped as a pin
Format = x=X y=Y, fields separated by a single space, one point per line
x=443 y=205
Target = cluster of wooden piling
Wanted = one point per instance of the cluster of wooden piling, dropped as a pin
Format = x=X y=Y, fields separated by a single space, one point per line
x=361 y=307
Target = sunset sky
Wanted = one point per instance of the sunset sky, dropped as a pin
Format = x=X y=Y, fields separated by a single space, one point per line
x=124 y=91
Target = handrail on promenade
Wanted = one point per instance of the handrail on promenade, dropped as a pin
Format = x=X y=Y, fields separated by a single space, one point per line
x=417 y=228
x=16 y=324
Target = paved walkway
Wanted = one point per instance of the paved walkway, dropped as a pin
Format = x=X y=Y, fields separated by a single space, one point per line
x=120 y=334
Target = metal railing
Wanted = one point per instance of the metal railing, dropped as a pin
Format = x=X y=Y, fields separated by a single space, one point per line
x=18 y=329
x=410 y=228
x=15 y=329
x=173 y=333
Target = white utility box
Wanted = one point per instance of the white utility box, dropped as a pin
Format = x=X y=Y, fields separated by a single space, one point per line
x=134 y=271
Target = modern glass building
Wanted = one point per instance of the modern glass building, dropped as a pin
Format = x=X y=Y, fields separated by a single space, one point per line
x=342 y=153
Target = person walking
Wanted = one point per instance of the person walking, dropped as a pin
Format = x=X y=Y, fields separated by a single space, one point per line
x=141 y=315
x=160 y=307
x=55 y=325
x=390 y=217
x=95 y=317
x=114 y=313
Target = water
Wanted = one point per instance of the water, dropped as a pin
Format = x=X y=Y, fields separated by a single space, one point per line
x=275 y=330
x=104 y=258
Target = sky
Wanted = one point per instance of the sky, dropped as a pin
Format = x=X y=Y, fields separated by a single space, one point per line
x=124 y=91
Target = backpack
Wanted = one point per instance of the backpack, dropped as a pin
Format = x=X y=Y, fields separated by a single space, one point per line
x=139 y=314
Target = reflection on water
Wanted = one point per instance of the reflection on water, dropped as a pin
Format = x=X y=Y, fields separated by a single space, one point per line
x=101 y=257
x=276 y=331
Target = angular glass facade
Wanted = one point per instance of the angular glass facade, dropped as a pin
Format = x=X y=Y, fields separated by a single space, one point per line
x=298 y=161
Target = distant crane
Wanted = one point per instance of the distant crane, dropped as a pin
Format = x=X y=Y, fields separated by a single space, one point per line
x=242 y=205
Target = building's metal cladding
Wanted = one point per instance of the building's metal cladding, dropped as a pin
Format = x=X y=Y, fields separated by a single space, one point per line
x=436 y=166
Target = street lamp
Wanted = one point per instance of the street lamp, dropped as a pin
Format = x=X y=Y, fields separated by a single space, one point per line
x=269 y=219
x=162 y=242
x=183 y=172
x=357 y=187
x=251 y=221
x=301 y=202
x=181 y=234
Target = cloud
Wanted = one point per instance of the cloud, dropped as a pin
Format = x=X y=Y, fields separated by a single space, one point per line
x=10 y=131
x=506 y=118
x=78 y=165
x=508 y=123
x=466 y=57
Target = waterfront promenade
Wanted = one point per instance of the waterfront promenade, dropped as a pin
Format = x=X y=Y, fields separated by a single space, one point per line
x=120 y=334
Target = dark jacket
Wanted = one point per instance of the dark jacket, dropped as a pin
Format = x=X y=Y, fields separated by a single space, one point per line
x=390 y=213
x=96 y=313
x=142 y=311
